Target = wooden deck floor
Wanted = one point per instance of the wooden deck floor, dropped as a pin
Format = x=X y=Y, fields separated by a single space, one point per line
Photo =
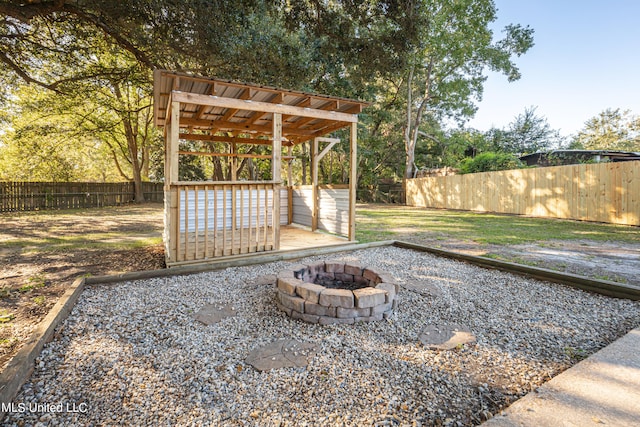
x=193 y=247
x=292 y=237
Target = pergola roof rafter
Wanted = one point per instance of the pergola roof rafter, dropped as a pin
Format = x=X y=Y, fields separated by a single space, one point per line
x=215 y=105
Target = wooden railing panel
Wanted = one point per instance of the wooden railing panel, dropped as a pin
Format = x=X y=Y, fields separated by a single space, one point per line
x=213 y=220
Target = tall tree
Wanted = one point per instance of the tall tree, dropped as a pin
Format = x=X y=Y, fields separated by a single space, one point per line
x=101 y=52
x=108 y=111
x=529 y=133
x=610 y=130
x=448 y=59
x=241 y=39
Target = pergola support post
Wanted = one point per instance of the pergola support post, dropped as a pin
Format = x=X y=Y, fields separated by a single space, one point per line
x=171 y=195
x=289 y=185
x=316 y=156
x=315 y=202
x=353 y=177
x=276 y=170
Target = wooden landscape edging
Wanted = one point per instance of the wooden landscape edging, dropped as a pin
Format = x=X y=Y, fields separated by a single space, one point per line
x=21 y=365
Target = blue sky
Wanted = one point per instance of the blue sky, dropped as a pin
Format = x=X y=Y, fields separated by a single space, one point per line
x=586 y=58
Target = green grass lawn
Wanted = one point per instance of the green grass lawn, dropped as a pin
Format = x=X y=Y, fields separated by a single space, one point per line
x=392 y=222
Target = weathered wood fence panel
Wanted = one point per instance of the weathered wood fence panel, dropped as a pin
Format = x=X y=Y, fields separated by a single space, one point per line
x=333 y=210
x=602 y=192
x=30 y=196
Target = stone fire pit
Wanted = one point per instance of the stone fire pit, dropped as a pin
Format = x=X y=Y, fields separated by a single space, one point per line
x=336 y=292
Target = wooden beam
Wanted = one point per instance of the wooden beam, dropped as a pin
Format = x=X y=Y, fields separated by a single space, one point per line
x=327 y=106
x=325 y=150
x=246 y=95
x=265 y=130
x=171 y=195
x=231 y=155
x=278 y=98
x=289 y=157
x=231 y=139
x=323 y=131
x=353 y=176
x=227 y=139
x=325 y=128
x=260 y=106
x=211 y=91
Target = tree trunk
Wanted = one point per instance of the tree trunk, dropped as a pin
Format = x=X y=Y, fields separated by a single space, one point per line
x=412 y=129
x=131 y=136
x=409 y=146
x=218 y=174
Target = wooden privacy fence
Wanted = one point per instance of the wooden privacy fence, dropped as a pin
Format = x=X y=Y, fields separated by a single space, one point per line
x=30 y=196
x=603 y=192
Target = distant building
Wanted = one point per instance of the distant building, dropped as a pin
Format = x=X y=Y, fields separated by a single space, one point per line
x=572 y=157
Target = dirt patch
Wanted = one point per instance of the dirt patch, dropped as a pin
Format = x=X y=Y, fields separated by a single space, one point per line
x=598 y=260
x=41 y=254
x=614 y=261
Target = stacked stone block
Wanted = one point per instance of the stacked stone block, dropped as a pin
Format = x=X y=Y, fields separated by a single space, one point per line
x=311 y=293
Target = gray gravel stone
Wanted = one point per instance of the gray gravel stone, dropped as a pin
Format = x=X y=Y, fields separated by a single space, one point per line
x=281 y=354
x=135 y=355
x=446 y=336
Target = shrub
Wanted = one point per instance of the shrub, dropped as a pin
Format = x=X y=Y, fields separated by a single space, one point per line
x=489 y=161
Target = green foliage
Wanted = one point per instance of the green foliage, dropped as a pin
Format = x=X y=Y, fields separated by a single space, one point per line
x=39 y=300
x=6 y=317
x=610 y=130
x=449 y=56
x=43 y=144
x=486 y=162
x=98 y=127
x=529 y=133
x=419 y=62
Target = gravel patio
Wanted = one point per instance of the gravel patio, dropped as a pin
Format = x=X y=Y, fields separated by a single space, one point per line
x=133 y=353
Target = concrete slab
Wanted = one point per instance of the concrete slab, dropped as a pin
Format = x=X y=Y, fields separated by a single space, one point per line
x=281 y=354
x=446 y=336
x=603 y=389
x=214 y=313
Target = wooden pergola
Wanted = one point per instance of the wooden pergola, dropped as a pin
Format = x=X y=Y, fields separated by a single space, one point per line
x=210 y=219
